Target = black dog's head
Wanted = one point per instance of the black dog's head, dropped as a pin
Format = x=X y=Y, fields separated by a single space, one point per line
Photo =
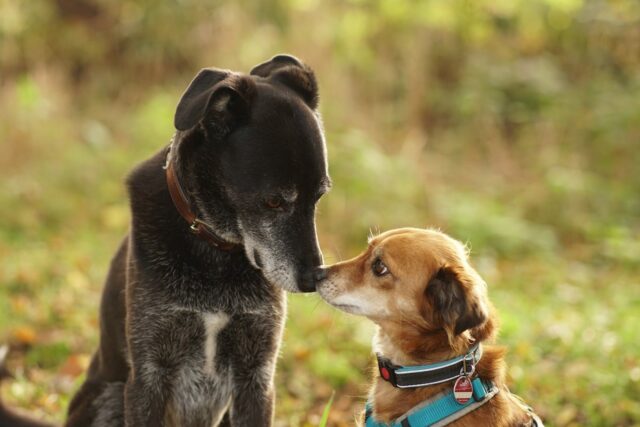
x=251 y=154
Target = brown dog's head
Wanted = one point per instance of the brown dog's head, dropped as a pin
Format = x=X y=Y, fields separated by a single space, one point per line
x=412 y=278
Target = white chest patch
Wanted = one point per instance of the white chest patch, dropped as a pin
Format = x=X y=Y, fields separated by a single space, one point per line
x=213 y=324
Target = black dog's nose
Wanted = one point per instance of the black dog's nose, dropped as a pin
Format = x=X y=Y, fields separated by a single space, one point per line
x=319 y=274
x=311 y=278
x=307 y=284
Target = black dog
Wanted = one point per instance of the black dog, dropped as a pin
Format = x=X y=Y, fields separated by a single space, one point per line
x=222 y=222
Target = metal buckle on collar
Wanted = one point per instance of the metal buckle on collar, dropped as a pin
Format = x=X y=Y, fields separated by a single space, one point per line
x=469 y=364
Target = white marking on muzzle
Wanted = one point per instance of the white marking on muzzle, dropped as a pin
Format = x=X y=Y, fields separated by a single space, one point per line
x=274 y=266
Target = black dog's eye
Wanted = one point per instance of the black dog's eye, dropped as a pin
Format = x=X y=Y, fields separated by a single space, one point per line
x=378 y=268
x=273 y=202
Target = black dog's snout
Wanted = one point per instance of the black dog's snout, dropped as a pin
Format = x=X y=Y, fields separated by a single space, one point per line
x=311 y=278
x=308 y=284
x=319 y=274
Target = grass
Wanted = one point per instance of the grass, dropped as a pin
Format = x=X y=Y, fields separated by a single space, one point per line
x=569 y=312
x=325 y=413
x=512 y=126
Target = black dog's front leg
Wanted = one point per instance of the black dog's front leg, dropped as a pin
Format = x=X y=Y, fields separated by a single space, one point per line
x=253 y=370
x=152 y=358
x=144 y=401
x=253 y=405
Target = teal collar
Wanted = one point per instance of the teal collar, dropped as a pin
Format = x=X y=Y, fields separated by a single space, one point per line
x=426 y=375
x=440 y=410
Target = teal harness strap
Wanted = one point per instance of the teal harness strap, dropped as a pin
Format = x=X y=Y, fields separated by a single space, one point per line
x=439 y=409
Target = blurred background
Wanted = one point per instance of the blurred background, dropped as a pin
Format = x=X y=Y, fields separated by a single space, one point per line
x=513 y=125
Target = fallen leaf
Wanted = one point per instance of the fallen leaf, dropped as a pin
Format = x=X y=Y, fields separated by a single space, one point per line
x=75 y=365
x=24 y=335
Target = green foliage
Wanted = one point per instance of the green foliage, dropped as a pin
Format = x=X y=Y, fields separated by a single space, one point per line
x=48 y=356
x=512 y=125
x=325 y=413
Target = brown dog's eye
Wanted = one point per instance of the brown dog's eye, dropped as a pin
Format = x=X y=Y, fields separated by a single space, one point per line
x=378 y=268
x=273 y=202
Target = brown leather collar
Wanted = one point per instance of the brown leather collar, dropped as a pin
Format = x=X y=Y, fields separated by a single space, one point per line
x=196 y=226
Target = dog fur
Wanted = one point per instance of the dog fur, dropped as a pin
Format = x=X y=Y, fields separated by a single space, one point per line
x=429 y=305
x=189 y=333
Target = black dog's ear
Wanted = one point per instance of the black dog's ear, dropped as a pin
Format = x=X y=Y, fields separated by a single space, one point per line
x=216 y=93
x=291 y=72
x=275 y=63
x=192 y=105
x=455 y=301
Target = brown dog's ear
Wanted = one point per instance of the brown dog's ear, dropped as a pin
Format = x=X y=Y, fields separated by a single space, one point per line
x=219 y=95
x=291 y=72
x=455 y=300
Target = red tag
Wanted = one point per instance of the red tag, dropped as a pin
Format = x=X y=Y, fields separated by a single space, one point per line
x=462 y=389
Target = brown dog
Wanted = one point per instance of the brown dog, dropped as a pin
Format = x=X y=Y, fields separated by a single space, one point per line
x=432 y=310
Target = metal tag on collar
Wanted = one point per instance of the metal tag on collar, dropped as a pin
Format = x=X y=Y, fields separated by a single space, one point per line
x=463 y=387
